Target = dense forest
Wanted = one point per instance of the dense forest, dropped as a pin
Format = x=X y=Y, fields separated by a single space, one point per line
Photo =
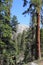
x=23 y=47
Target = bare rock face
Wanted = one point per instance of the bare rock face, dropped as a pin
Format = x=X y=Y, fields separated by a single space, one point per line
x=21 y=28
x=32 y=63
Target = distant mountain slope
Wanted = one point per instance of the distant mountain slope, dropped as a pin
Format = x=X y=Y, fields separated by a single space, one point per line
x=21 y=28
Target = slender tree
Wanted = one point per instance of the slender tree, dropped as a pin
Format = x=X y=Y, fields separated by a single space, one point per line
x=37 y=4
x=14 y=23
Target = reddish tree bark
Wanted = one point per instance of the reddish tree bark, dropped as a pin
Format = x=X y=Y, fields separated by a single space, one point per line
x=38 y=36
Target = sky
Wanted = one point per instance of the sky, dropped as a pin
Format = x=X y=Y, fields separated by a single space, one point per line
x=17 y=9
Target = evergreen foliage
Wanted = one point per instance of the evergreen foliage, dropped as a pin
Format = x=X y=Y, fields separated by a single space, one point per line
x=15 y=45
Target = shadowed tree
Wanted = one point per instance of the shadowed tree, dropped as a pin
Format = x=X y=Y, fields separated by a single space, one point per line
x=41 y=41
x=14 y=23
x=6 y=44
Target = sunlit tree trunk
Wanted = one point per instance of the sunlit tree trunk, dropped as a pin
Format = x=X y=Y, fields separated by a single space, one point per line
x=38 y=36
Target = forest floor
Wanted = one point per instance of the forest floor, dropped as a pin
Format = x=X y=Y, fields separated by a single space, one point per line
x=38 y=62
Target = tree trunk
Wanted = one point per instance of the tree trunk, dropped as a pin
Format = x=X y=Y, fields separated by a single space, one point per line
x=38 y=37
